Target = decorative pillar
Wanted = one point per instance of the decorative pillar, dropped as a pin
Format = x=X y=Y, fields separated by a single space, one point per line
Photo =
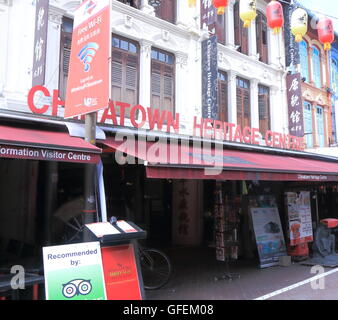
x=252 y=40
x=314 y=125
x=254 y=103
x=230 y=29
x=311 y=79
x=145 y=73
x=184 y=14
x=276 y=121
x=182 y=104
x=232 y=97
x=273 y=48
x=146 y=7
x=326 y=126
x=53 y=47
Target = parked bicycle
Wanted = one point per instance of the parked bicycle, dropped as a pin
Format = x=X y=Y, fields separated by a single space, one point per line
x=155 y=267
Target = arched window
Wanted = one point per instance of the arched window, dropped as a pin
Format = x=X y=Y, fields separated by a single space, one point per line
x=304 y=60
x=316 y=67
x=262 y=37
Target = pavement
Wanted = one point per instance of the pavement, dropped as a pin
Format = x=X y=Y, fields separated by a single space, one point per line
x=198 y=276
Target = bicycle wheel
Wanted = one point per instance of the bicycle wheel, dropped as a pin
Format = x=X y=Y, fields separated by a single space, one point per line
x=155 y=267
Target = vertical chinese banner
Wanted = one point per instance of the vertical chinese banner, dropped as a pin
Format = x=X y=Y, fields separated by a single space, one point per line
x=88 y=88
x=208 y=16
x=295 y=105
x=291 y=46
x=209 y=78
x=40 y=42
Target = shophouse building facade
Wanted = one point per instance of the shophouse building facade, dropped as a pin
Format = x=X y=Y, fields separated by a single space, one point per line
x=157 y=54
x=316 y=94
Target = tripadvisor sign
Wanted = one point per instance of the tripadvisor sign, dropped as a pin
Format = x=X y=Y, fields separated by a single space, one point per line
x=149 y=118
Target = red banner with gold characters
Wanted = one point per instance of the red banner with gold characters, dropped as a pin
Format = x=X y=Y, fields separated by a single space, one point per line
x=88 y=88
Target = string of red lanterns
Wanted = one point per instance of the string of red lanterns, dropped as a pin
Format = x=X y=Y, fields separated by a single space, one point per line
x=275 y=19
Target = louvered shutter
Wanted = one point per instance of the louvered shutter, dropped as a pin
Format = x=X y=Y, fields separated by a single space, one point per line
x=155 y=85
x=246 y=108
x=117 y=76
x=264 y=110
x=131 y=80
x=237 y=24
x=239 y=102
x=167 y=10
x=220 y=29
x=261 y=34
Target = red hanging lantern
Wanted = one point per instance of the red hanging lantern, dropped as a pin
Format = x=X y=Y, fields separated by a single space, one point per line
x=220 y=5
x=274 y=15
x=325 y=32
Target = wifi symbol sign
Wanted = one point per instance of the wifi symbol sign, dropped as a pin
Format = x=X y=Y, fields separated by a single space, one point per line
x=87 y=54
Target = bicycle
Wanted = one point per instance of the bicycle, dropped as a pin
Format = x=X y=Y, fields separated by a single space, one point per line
x=155 y=267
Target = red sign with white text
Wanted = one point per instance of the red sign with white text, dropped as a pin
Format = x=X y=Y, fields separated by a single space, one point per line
x=88 y=88
x=120 y=273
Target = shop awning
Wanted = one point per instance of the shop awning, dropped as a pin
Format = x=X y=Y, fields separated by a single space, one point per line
x=173 y=161
x=27 y=143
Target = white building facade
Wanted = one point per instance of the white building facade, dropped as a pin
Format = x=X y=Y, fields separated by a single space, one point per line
x=155 y=43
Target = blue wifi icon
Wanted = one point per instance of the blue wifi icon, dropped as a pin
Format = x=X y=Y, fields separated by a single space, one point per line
x=87 y=54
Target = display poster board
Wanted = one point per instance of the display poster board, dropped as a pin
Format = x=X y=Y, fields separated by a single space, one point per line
x=299 y=217
x=120 y=272
x=268 y=230
x=74 y=272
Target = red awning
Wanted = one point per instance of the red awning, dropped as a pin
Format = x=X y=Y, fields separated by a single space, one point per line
x=172 y=161
x=23 y=143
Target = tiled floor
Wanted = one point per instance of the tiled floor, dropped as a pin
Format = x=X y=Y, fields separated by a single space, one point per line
x=195 y=270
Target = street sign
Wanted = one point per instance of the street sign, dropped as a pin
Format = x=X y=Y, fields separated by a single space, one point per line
x=88 y=88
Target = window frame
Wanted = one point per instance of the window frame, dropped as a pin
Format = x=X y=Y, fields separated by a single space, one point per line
x=164 y=67
x=125 y=54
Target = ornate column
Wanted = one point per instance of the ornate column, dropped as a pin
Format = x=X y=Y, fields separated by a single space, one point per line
x=273 y=48
x=230 y=29
x=181 y=85
x=310 y=51
x=184 y=14
x=275 y=119
x=252 y=40
x=145 y=73
x=55 y=16
x=314 y=125
x=232 y=97
x=146 y=7
x=254 y=103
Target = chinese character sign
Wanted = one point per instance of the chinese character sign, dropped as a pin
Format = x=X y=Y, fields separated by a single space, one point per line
x=209 y=78
x=40 y=42
x=208 y=15
x=88 y=88
x=295 y=105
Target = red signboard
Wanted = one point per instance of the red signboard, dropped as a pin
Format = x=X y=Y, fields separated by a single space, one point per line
x=88 y=88
x=120 y=273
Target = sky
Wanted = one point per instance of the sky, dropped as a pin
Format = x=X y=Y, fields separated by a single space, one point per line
x=327 y=7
